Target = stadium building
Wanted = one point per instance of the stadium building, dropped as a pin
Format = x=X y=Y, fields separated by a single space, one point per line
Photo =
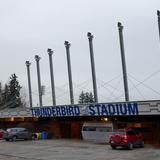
x=66 y=121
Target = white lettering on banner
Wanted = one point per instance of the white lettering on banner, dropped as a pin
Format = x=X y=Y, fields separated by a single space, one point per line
x=90 y=110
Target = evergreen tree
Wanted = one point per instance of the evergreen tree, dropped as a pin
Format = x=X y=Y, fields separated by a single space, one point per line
x=14 y=86
x=82 y=98
x=10 y=94
x=14 y=91
x=86 y=98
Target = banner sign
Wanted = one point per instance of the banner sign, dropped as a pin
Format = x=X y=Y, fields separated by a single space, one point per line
x=132 y=108
x=115 y=109
x=100 y=109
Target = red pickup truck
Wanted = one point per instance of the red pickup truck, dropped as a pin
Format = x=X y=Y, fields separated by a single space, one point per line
x=127 y=138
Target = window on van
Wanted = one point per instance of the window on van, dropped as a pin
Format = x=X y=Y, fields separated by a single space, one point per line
x=99 y=129
x=104 y=129
x=89 y=129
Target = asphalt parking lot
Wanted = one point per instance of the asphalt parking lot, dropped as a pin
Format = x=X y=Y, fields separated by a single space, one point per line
x=58 y=149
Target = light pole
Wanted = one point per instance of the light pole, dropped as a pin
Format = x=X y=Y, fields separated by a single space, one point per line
x=120 y=28
x=37 y=58
x=67 y=45
x=29 y=82
x=158 y=14
x=50 y=53
x=90 y=38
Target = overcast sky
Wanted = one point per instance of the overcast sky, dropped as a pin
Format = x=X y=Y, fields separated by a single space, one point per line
x=29 y=27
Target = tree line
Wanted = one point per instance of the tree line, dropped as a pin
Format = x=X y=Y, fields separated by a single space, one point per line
x=10 y=93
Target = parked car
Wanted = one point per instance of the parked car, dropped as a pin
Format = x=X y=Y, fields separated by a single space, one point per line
x=18 y=133
x=127 y=138
x=2 y=133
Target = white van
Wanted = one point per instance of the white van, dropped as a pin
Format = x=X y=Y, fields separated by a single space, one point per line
x=97 y=132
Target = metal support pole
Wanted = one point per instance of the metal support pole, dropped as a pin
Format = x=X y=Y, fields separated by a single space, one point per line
x=90 y=38
x=50 y=52
x=37 y=58
x=29 y=82
x=120 y=28
x=67 y=45
x=158 y=14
